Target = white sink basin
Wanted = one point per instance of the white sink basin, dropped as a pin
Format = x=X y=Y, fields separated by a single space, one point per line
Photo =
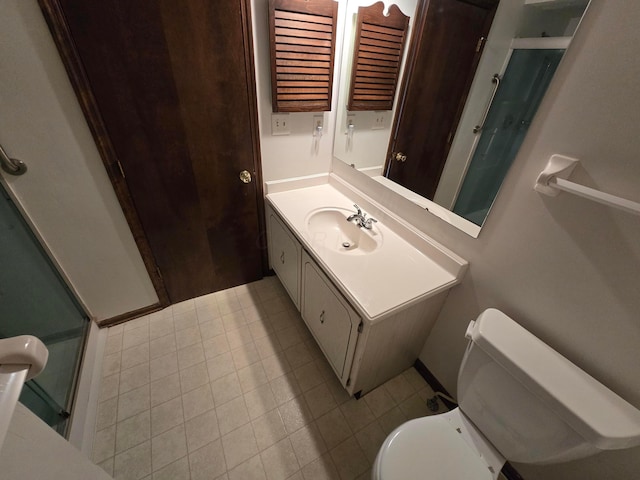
x=328 y=229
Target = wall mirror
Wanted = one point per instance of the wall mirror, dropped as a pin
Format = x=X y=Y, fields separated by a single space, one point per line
x=473 y=76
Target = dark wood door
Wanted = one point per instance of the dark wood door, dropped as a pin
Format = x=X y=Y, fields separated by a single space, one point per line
x=443 y=58
x=173 y=84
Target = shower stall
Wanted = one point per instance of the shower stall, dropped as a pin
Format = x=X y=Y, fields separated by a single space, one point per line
x=35 y=300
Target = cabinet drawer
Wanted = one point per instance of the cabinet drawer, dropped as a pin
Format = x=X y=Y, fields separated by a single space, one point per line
x=332 y=321
x=284 y=255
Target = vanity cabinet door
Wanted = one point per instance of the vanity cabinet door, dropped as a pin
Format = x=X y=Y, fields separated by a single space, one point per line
x=332 y=321
x=284 y=256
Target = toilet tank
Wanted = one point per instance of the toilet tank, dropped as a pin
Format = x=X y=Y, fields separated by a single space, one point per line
x=534 y=405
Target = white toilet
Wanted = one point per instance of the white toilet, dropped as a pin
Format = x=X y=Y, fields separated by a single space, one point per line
x=519 y=400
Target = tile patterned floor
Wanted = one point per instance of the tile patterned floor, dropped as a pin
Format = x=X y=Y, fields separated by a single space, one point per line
x=232 y=386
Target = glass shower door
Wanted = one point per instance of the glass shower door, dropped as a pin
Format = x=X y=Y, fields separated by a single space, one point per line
x=522 y=87
x=35 y=300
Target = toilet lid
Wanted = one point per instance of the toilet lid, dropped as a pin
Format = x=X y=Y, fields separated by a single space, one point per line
x=429 y=448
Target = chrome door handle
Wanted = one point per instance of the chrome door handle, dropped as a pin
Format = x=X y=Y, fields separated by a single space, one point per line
x=245 y=176
x=495 y=79
x=282 y=257
x=322 y=317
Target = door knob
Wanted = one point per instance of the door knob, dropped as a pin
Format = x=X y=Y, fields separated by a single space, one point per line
x=245 y=176
x=400 y=157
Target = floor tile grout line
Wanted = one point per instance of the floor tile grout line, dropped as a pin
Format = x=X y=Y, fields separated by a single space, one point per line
x=253 y=431
x=266 y=317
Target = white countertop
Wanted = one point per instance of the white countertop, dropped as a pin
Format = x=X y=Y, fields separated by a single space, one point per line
x=380 y=282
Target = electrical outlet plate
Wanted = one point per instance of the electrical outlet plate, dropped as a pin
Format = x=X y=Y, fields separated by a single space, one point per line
x=280 y=124
x=379 y=120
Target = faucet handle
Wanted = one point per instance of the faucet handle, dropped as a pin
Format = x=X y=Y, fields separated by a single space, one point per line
x=358 y=209
x=368 y=222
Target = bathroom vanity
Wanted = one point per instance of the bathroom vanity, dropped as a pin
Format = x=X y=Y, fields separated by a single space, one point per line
x=368 y=296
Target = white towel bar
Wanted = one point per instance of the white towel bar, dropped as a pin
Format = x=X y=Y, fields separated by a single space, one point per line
x=553 y=179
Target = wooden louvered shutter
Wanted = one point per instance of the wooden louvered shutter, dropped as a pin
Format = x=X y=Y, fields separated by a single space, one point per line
x=303 y=37
x=379 y=46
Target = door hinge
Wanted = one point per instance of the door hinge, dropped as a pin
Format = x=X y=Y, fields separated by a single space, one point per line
x=361 y=326
x=479 y=44
x=121 y=169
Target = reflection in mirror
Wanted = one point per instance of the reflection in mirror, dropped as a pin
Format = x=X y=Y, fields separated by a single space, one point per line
x=362 y=137
x=445 y=54
x=377 y=57
x=476 y=72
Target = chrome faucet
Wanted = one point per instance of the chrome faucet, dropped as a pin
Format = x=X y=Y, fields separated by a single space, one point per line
x=357 y=215
x=368 y=222
x=361 y=219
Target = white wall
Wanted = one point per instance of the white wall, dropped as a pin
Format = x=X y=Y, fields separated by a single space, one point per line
x=293 y=155
x=66 y=192
x=565 y=268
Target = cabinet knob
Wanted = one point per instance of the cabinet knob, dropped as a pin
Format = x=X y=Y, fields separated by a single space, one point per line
x=322 y=317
